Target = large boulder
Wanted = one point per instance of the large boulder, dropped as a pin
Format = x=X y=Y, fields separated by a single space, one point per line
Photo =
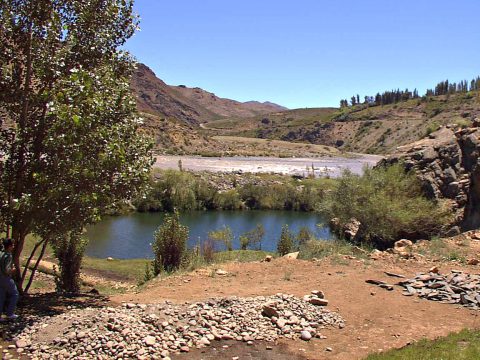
x=447 y=163
x=348 y=231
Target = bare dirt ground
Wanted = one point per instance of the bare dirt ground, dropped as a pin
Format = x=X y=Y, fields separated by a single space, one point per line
x=376 y=319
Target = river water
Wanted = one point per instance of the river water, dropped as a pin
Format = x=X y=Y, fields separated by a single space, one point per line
x=130 y=236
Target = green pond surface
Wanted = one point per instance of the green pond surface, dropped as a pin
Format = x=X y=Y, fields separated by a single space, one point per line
x=130 y=236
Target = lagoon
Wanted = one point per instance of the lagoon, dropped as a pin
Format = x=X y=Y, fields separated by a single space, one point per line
x=130 y=236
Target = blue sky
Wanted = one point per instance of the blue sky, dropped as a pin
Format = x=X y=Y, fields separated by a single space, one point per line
x=308 y=53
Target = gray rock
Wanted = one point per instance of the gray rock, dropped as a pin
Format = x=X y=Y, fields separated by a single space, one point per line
x=305 y=335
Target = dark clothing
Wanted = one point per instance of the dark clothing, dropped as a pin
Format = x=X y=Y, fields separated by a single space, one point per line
x=8 y=289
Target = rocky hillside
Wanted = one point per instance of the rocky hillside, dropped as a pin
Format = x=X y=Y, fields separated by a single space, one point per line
x=448 y=164
x=366 y=129
x=190 y=105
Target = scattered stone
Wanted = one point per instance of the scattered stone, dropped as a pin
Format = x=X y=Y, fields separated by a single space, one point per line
x=380 y=284
x=110 y=258
x=269 y=310
x=162 y=330
x=268 y=258
x=21 y=344
x=394 y=275
x=402 y=246
x=150 y=340
x=221 y=272
x=305 y=335
x=454 y=288
x=318 y=294
x=473 y=262
x=291 y=256
x=318 y=301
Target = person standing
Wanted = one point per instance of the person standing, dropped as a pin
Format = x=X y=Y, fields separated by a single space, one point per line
x=8 y=289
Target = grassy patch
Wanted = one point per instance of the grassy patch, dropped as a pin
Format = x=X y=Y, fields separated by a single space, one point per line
x=320 y=249
x=464 y=345
x=129 y=269
x=240 y=256
x=443 y=250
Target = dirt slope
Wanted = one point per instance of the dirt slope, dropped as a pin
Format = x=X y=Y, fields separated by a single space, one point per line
x=190 y=105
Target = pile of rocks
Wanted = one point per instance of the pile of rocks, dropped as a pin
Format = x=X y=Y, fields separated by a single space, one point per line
x=454 y=288
x=156 y=331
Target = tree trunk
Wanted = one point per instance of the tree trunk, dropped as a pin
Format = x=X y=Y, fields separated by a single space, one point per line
x=34 y=270
x=27 y=264
x=19 y=240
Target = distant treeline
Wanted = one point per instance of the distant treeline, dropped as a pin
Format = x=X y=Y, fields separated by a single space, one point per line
x=395 y=96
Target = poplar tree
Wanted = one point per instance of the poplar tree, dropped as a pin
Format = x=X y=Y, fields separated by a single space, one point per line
x=70 y=148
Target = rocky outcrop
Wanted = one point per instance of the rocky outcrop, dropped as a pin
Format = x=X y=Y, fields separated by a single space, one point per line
x=448 y=165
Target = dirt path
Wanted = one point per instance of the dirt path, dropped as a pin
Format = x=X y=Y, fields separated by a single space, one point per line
x=376 y=319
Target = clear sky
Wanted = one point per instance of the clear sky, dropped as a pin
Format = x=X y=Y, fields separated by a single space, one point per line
x=308 y=53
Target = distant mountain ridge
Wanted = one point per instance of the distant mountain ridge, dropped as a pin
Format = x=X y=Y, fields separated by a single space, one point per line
x=191 y=105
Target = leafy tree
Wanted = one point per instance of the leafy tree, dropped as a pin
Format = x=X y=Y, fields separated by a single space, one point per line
x=170 y=244
x=69 y=142
x=286 y=243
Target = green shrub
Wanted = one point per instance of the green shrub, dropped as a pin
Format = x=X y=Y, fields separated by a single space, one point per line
x=69 y=249
x=431 y=128
x=224 y=236
x=285 y=244
x=252 y=238
x=208 y=250
x=170 y=244
x=228 y=200
x=303 y=236
x=388 y=202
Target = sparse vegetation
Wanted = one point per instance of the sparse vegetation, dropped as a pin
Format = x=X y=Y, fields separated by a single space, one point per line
x=223 y=236
x=464 y=345
x=319 y=249
x=252 y=238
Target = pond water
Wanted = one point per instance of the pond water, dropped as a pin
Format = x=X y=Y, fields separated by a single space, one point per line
x=130 y=236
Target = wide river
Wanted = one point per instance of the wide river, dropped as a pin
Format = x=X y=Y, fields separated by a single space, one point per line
x=130 y=236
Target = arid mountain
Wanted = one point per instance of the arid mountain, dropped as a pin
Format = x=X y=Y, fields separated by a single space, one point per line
x=191 y=105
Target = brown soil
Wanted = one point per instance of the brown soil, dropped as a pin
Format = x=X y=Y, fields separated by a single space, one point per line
x=376 y=319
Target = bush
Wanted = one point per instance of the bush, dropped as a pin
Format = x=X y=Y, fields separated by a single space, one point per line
x=224 y=236
x=68 y=250
x=285 y=245
x=252 y=238
x=388 y=202
x=303 y=236
x=228 y=200
x=208 y=250
x=170 y=244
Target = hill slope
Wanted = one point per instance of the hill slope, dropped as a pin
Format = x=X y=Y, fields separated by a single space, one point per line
x=190 y=105
x=368 y=129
